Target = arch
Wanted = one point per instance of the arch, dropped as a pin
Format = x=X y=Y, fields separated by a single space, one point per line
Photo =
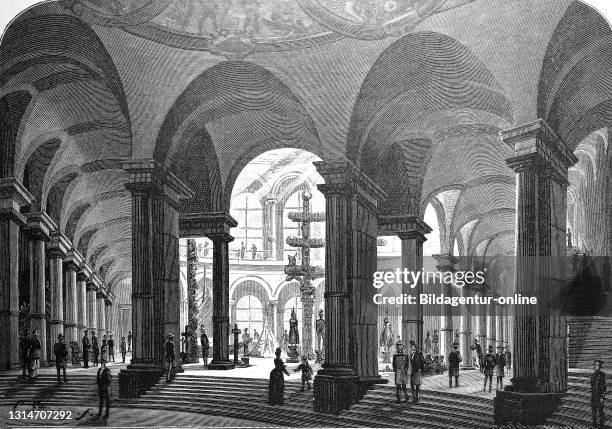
x=251 y=285
x=12 y=109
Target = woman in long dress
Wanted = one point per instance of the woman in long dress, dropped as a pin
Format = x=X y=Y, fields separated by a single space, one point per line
x=276 y=388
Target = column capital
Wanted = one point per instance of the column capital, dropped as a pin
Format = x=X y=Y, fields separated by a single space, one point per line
x=535 y=145
x=59 y=245
x=13 y=196
x=405 y=226
x=86 y=271
x=149 y=176
x=39 y=226
x=205 y=224
x=342 y=177
x=73 y=261
x=222 y=237
x=445 y=262
x=100 y=295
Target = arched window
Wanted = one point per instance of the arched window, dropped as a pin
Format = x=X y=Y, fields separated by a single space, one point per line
x=432 y=245
x=249 y=313
x=247 y=211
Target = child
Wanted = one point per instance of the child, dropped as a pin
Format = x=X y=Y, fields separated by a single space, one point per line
x=306 y=372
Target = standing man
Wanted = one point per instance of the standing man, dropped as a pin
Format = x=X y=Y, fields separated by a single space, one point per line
x=129 y=341
x=111 y=348
x=454 y=359
x=61 y=353
x=400 y=367
x=598 y=395
x=500 y=364
x=103 y=379
x=508 y=357
x=24 y=349
x=253 y=252
x=123 y=348
x=94 y=348
x=86 y=347
x=205 y=346
x=242 y=249
x=170 y=356
x=34 y=355
x=489 y=365
x=417 y=365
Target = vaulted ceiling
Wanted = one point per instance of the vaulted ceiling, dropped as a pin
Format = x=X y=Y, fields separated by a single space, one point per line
x=414 y=93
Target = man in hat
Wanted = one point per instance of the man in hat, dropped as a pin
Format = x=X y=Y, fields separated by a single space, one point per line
x=489 y=365
x=500 y=364
x=306 y=372
x=86 y=347
x=508 y=357
x=170 y=356
x=61 y=353
x=123 y=349
x=417 y=365
x=103 y=379
x=400 y=367
x=598 y=395
x=129 y=341
x=34 y=355
x=454 y=359
x=95 y=349
x=24 y=349
x=111 y=348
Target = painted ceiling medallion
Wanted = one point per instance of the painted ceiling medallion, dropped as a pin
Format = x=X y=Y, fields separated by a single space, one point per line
x=373 y=19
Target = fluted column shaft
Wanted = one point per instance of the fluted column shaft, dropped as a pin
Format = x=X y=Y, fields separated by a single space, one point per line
x=465 y=330
x=101 y=312
x=446 y=263
x=56 y=276
x=491 y=324
x=38 y=320
x=82 y=314
x=71 y=303
x=92 y=308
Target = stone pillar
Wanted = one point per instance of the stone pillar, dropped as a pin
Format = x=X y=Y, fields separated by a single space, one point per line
x=57 y=250
x=232 y=304
x=411 y=231
x=541 y=161
x=71 y=303
x=465 y=330
x=92 y=308
x=268 y=225
x=155 y=271
x=499 y=323
x=491 y=339
x=446 y=263
x=351 y=337
x=38 y=227
x=280 y=328
x=192 y=306
x=101 y=311
x=108 y=311
x=82 y=313
x=278 y=226
x=481 y=325
x=221 y=329
x=272 y=317
x=13 y=196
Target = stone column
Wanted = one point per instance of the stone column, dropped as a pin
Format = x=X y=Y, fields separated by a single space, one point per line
x=38 y=228
x=491 y=339
x=57 y=250
x=221 y=329
x=155 y=271
x=108 y=311
x=268 y=205
x=541 y=161
x=280 y=328
x=101 y=311
x=92 y=308
x=351 y=335
x=192 y=306
x=446 y=263
x=272 y=317
x=499 y=323
x=411 y=231
x=82 y=313
x=278 y=226
x=465 y=330
x=481 y=325
x=13 y=196
x=232 y=304
x=71 y=304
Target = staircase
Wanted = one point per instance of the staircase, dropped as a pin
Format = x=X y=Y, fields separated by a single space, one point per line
x=575 y=408
x=247 y=399
x=80 y=390
x=590 y=338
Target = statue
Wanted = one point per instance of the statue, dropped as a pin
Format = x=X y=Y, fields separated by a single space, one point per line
x=320 y=329
x=294 y=335
x=386 y=341
x=569 y=238
x=427 y=344
x=436 y=343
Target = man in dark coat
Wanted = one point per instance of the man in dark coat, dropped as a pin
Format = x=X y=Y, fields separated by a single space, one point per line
x=61 y=353
x=123 y=348
x=95 y=349
x=500 y=364
x=205 y=345
x=454 y=359
x=400 y=368
x=103 y=379
x=598 y=395
x=86 y=347
x=110 y=344
x=489 y=365
x=129 y=341
x=24 y=349
x=417 y=366
x=170 y=356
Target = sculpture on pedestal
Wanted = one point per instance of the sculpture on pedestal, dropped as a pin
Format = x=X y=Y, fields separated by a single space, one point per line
x=386 y=341
x=305 y=273
x=427 y=344
x=436 y=343
x=294 y=338
x=320 y=330
x=191 y=349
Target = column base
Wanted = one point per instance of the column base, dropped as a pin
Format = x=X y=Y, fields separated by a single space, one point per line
x=335 y=390
x=137 y=379
x=528 y=409
x=221 y=364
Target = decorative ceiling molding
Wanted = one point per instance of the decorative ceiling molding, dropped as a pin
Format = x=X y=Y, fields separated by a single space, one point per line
x=85 y=10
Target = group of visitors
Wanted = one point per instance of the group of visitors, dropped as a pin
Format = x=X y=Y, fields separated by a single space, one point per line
x=30 y=349
x=276 y=387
